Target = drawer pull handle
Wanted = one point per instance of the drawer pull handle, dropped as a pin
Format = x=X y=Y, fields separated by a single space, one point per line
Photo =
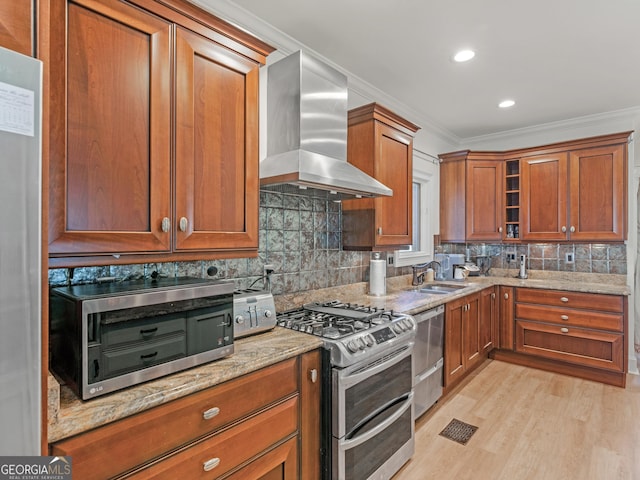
x=148 y=356
x=564 y=299
x=313 y=374
x=210 y=464
x=564 y=317
x=564 y=330
x=212 y=412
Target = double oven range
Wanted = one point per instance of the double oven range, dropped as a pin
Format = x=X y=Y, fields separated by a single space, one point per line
x=368 y=416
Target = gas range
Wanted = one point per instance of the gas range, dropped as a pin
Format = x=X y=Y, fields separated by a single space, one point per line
x=351 y=332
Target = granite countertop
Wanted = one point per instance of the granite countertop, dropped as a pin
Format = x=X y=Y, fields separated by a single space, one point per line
x=403 y=297
x=68 y=415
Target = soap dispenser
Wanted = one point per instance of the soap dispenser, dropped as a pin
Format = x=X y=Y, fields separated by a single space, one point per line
x=523 y=267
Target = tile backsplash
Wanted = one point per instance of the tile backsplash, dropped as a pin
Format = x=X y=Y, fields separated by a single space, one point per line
x=587 y=257
x=299 y=235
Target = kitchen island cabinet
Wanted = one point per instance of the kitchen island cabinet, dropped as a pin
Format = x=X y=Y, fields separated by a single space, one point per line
x=259 y=424
x=380 y=143
x=153 y=148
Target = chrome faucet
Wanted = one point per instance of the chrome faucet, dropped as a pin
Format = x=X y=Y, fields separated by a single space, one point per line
x=419 y=271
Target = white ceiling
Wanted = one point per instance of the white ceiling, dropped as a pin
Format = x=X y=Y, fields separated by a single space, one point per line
x=558 y=59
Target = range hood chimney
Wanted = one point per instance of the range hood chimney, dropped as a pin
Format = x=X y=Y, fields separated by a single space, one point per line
x=307 y=132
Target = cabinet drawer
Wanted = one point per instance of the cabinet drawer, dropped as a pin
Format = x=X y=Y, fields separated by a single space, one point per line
x=560 y=298
x=570 y=317
x=219 y=454
x=575 y=345
x=127 y=443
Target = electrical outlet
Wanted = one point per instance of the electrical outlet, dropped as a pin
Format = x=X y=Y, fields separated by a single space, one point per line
x=511 y=256
x=568 y=258
x=267 y=270
x=390 y=260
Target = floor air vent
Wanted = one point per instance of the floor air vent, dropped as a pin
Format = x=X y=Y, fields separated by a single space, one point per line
x=458 y=431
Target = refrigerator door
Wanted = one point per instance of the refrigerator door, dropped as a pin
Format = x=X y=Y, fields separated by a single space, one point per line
x=20 y=254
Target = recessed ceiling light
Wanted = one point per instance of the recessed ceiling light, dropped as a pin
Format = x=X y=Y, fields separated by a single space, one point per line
x=464 y=55
x=506 y=104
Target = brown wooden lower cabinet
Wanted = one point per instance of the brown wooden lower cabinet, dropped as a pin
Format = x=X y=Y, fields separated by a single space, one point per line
x=575 y=333
x=469 y=334
x=255 y=426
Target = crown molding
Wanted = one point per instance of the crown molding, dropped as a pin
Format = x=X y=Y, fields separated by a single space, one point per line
x=610 y=121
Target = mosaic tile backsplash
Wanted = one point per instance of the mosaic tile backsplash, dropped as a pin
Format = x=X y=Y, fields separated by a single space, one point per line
x=301 y=237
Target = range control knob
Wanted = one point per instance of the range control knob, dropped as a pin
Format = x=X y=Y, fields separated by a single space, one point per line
x=239 y=319
x=351 y=345
x=396 y=328
x=361 y=343
x=267 y=313
x=408 y=323
x=369 y=340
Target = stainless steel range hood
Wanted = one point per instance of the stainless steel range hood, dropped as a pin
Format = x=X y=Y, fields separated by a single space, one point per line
x=307 y=132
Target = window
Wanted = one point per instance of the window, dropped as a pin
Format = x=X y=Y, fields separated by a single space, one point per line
x=424 y=212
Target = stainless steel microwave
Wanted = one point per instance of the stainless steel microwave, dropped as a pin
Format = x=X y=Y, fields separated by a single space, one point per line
x=104 y=337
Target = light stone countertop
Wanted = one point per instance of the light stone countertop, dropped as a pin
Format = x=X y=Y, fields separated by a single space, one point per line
x=68 y=415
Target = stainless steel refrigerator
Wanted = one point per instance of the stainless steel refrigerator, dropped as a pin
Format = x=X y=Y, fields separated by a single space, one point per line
x=20 y=257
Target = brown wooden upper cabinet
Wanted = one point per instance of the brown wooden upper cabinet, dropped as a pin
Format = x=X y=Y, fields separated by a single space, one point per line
x=578 y=195
x=569 y=191
x=16 y=26
x=153 y=145
x=380 y=143
x=471 y=191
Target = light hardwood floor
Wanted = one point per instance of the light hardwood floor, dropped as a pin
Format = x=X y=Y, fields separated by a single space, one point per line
x=532 y=425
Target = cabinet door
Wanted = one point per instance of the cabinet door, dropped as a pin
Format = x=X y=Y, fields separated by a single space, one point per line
x=394 y=168
x=16 y=26
x=598 y=194
x=544 y=197
x=279 y=464
x=452 y=200
x=310 y=391
x=110 y=117
x=471 y=347
x=488 y=317
x=216 y=146
x=453 y=351
x=506 y=315
x=484 y=187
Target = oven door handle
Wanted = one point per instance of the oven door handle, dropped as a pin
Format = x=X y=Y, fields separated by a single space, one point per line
x=348 y=378
x=354 y=442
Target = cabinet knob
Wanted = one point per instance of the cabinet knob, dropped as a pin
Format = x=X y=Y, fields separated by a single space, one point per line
x=184 y=223
x=564 y=330
x=564 y=317
x=564 y=229
x=506 y=296
x=209 y=414
x=210 y=464
x=493 y=296
x=313 y=375
x=564 y=299
x=166 y=224
x=500 y=229
x=572 y=229
x=379 y=230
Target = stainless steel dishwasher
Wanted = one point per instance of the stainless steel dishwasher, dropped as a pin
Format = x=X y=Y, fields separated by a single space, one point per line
x=428 y=359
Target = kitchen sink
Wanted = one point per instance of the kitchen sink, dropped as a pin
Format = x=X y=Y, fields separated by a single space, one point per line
x=440 y=288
